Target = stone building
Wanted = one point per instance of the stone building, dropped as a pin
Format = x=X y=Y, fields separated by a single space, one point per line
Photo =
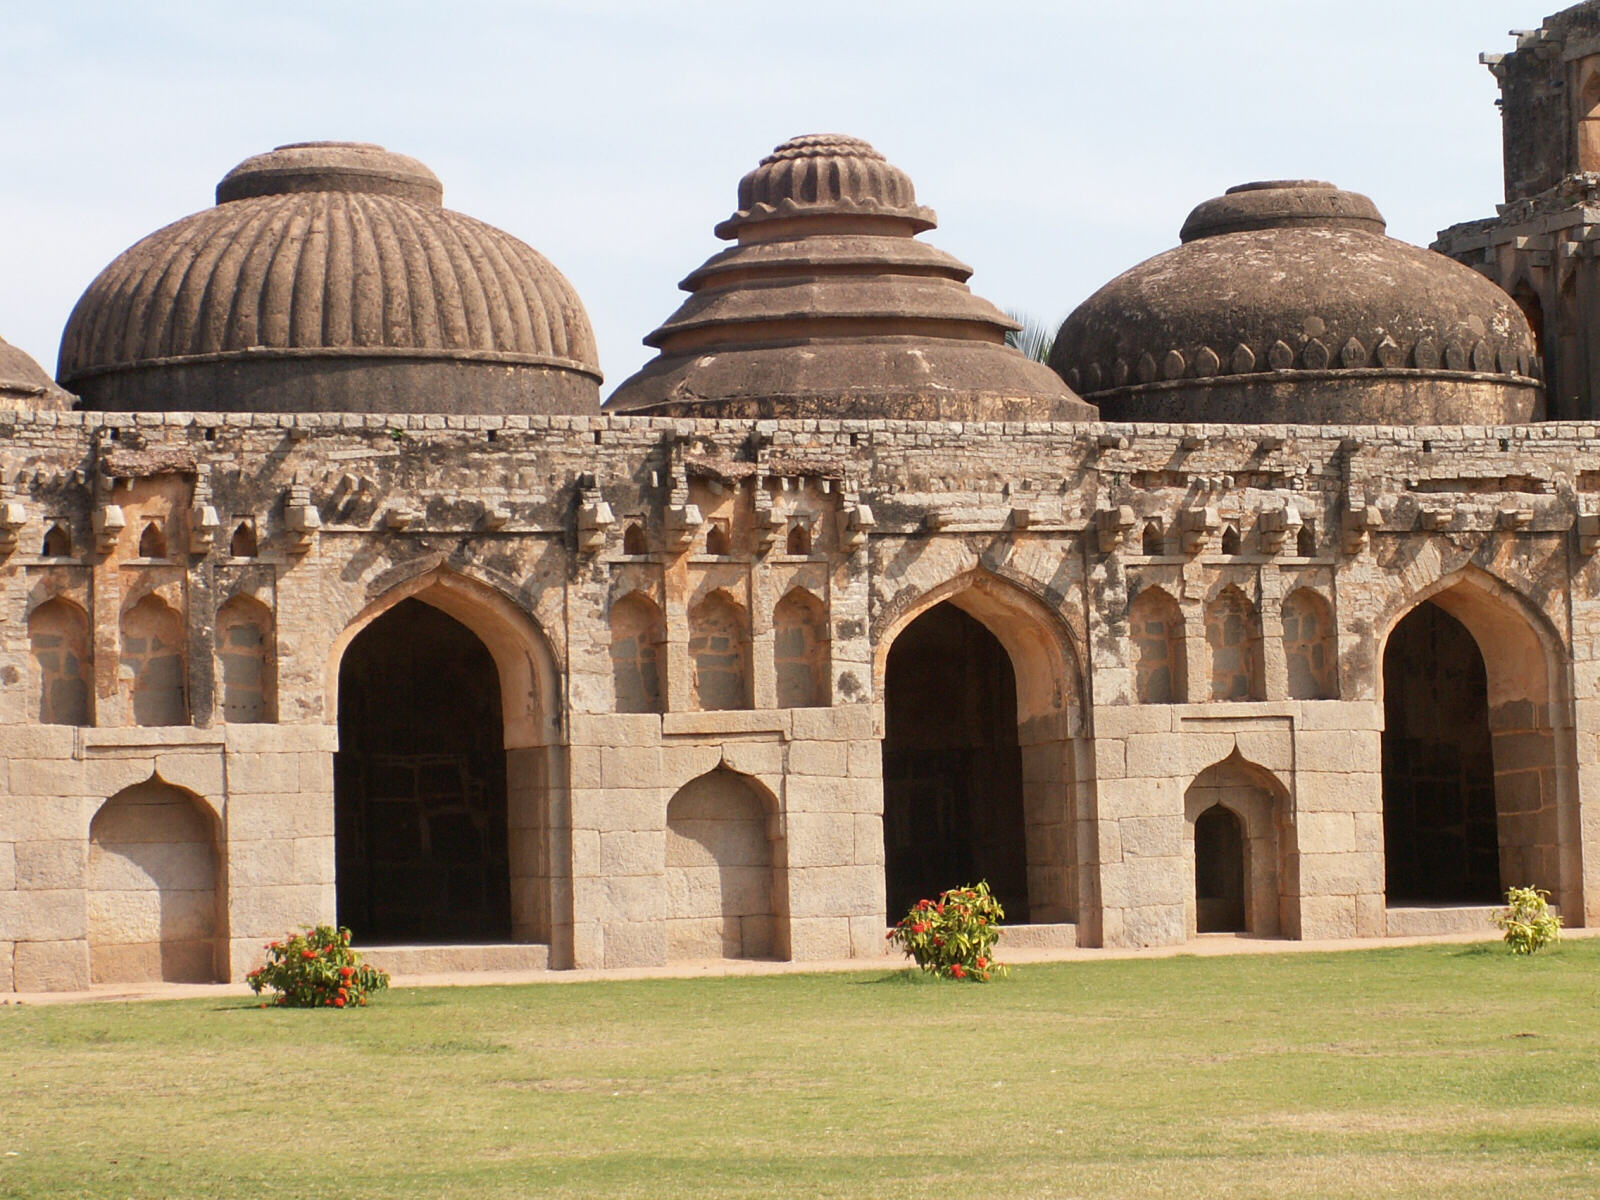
x=335 y=593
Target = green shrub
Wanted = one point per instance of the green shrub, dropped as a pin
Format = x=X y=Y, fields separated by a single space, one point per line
x=953 y=937
x=1527 y=920
x=317 y=969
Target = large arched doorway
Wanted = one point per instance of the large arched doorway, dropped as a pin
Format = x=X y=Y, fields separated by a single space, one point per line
x=952 y=765
x=420 y=783
x=1441 y=845
x=1219 y=883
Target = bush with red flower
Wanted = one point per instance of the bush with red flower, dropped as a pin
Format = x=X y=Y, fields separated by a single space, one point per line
x=317 y=969
x=953 y=937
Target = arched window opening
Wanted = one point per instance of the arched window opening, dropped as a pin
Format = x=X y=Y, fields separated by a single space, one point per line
x=1310 y=646
x=637 y=633
x=152 y=542
x=58 y=634
x=952 y=766
x=1233 y=638
x=1589 y=117
x=153 y=889
x=420 y=796
x=243 y=542
x=1219 y=872
x=633 y=540
x=1151 y=542
x=57 y=542
x=1528 y=301
x=153 y=655
x=1231 y=540
x=246 y=662
x=800 y=650
x=1441 y=844
x=799 y=539
x=1155 y=634
x=719 y=877
x=719 y=654
x=1305 y=542
x=719 y=542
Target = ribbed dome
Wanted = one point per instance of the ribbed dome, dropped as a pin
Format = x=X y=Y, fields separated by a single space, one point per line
x=24 y=386
x=1287 y=303
x=329 y=276
x=828 y=306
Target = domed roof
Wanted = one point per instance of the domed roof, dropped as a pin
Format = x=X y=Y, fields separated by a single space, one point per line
x=24 y=385
x=829 y=306
x=330 y=276
x=1286 y=302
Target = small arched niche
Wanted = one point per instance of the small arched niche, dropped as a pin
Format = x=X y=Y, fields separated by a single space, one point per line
x=800 y=646
x=57 y=542
x=638 y=630
x=1233 y=643
x=719 y=653
x=243 y=542
x=152 y=542
x=153 y=656
x=154 y=895
x=247 y=662
x=58 y=635
x=1235 y=812
x=633 y=540
x=1305 y=542
x=1155 y=635
x=1310 y=646
x=1151 y=541
x=720 y=864
x=719 y=540
x=799 y=541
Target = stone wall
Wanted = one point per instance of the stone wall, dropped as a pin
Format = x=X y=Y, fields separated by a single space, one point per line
x=580 y=551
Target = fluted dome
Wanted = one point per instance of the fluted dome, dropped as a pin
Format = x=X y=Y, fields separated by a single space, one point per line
x=829 y=306
x=24 y=386
x=330 y=277
x=1286 y=302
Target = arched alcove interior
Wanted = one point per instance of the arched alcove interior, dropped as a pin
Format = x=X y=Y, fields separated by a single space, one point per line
x=247 y=675
x=155 y=905
x=1233 y=642
x=719 y=653
x=1236 y=814
x=1310 y=646
x=57 y=542
x=980 y=697
x=1471 y=802
x=58 y=636
x=638 y=630
x=420 y=791
x=243 y=542
x=1588 y=105
x=1155 y=637
x=722 y=859
x=152 y=655
x=800 y=650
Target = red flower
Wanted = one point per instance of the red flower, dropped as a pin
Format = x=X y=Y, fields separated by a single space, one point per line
x=939 y=908
x=308 y=954
x=982 y=962
x=338 y=1002
x=958 y=971
x=890 y=934
x=346 y=972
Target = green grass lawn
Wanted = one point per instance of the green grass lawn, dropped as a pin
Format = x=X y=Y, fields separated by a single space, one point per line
x=1434 y=1071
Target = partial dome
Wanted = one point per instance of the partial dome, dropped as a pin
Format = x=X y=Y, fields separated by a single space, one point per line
x=1285 y=303
x=24 y=385
x=829 y=307
x=330 y=277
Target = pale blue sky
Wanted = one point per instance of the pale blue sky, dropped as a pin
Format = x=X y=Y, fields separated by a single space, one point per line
x=1060 y=142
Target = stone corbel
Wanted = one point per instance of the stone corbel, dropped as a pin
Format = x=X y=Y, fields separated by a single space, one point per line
x=1515 y=518
x=13 y=516
x=1112 y=526
x=594 y=518
x=1278 y=526
x=301 y=519
x=1198 y=526
x=203 y=526
x=682 y=523
x=1437 y=518
x=1587 y=527
x=768 y=524
x=858 y=524
x=109 y=522
x=1357 y=524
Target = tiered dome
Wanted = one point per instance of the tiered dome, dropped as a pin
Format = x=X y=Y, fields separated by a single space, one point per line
x=330 y=276
x=24 y=386
x=1286 y=302
x=829 y=306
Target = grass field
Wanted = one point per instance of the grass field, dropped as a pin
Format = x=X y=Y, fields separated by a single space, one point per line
x=1434 y=1071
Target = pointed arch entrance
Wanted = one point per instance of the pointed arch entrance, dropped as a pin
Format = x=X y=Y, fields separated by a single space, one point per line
x=447 y=706
x=980 y=709
x=1473 y=794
